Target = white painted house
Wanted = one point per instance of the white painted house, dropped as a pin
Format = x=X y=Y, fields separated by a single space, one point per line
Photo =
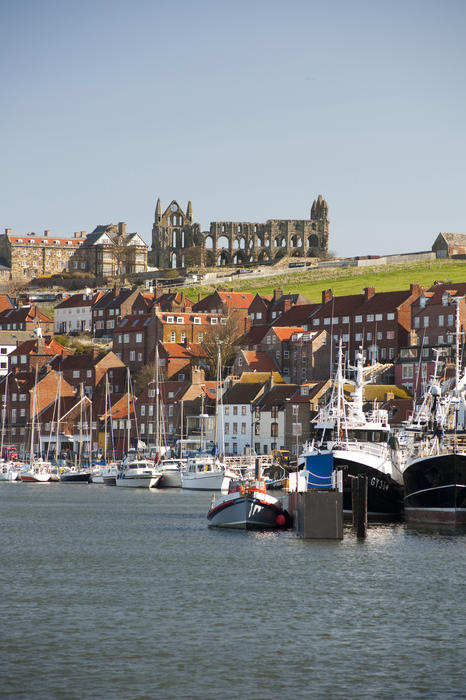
x=74 y=314
x=237 y=417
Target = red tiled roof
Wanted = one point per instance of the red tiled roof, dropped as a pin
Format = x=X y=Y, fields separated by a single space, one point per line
x=79 y=300
x=236 y=300
x=260 y=361
x=53 y=240
x=296 y=315
x=285 y=332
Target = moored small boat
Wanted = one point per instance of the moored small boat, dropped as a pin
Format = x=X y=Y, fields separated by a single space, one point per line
x=248 y=506
x=138 y=473
x=75 y=476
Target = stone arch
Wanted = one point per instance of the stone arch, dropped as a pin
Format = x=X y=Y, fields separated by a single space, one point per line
x=235 y=244
x=251 y=243
x=277 y=242
x=259 y=242
x=283 y=242
x=223 y=259
x=263 y=257
x=173 y=261
x=174 y=238
x=280 y=254
x=223 y=242
x=296 y=241
x=251 y=258
x=209 y=242
x=297 y=253
x=313 y=241
x=267 y=242
x=239 y=258
x=182 y=239
x=242 y=243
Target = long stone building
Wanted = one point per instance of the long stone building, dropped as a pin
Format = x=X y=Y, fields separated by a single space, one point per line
x=177 y=241
x=27 y=256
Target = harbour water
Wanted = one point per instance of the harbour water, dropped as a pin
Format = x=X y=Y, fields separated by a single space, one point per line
x=122 y=593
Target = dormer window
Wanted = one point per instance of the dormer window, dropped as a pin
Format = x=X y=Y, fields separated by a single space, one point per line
x=170 y=319
x=445 y=299
x=213 y=321
x=422 y=301
x=179 y=319
x=197 y=320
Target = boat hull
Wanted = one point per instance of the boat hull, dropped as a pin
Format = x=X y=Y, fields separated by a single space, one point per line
x=206 y=481
x=251 y=511
x=170 y=479
x=137 y=481
x=36 y=478
x=75 y=478
x=435 y=489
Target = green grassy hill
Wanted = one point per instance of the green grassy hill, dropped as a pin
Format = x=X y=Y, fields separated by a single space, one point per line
x=345 y=281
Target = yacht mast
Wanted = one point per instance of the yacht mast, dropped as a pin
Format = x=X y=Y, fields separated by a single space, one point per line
x=3 y=415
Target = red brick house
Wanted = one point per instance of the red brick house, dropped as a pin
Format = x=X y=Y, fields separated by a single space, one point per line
x=134 y=339
x=113 y=306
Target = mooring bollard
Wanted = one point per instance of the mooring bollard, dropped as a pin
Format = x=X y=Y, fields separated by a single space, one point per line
x=359 y=504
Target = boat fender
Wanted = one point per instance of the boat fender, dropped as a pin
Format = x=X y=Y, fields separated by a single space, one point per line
x=280 y=520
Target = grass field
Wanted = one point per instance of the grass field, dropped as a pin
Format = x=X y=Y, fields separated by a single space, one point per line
x=345 y=281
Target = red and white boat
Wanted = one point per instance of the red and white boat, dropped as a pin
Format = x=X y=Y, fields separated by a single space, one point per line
x=248 y=506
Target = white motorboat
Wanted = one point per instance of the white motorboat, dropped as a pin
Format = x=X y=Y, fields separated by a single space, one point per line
x=138 y=473
x=206 y=474
x=170 y=469
x=39 y=472
x=8 y=471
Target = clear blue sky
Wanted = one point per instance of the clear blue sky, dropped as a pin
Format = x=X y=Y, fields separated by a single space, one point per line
x=249 y=109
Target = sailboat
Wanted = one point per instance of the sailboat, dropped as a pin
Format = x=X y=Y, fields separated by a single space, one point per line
x=76 y=474
x=135 y=472
x=39 y=472
x=206 y=472
x=8 y=471
x=359 y=443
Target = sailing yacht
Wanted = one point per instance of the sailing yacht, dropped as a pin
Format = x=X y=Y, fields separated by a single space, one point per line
x=76 y=474
x=359 y=443
x=206 y=472
x=8 y=470
x=38 y=471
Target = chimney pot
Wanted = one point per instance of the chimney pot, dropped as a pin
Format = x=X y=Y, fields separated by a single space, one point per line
x=46 y=233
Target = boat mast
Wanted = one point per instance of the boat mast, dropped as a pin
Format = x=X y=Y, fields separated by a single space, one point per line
x=128 y=422
x=31 y=449
x=157 y=401
x=3 y=415
x=181 y=430
x=105 y=422
x=57 y=439
x=80 y=427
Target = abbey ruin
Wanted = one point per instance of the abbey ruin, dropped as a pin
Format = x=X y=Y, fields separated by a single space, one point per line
x=177 y=241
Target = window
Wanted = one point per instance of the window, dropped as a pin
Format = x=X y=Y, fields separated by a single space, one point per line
x=243 y=428
x=89 y=373
x=170 y=410
x=227 y=428
x=274 y=430
x=390 y=317
x=138 y=337
x=170 y=319
x=139 y=356
x=179 y=319
x=200 y=337
x=345 y=319
x=286 y=354
x=143 y=410
x=235 y=428
x=235 y=410
x=406 y=371
x=294 y=410
x=142 y=428
x=440 y=340
x=370 y=317
x=173 y=337
x=132 y=355
x=326 y=321
x=315 y=321
x=76 y=374
x=213 y=321
x=227 y=410
x=426 y=321
x=358 y=319
x=183 y=336
x=369 y=335
x=243 y=410
x=390 y=335
x=450 y=319
x=197 y=320
x=296 y=428
x=440 y=320
x=258 y=315
x=151 y=393
x=126 y=338
x=358 y=336
x=417 y=322
x=391 y=353
x=378 y=317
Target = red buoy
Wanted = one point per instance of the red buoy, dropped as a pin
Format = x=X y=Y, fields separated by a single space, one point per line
x=280 y=520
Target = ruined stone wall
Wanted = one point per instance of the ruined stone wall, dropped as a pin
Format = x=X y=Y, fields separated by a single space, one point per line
x=178 y=242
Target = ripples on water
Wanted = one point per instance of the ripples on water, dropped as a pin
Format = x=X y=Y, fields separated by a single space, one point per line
x=114 y=593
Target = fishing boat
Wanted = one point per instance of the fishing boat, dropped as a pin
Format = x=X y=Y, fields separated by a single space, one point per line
x=435 y=472
x=361 y=444
x=247 y=506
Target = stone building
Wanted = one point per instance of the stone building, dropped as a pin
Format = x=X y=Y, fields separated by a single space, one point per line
x=447 y=245
x=29 y=256
x=178 y=242
x=110 y=251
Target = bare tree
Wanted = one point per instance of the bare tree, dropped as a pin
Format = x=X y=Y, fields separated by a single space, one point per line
x=226 y=335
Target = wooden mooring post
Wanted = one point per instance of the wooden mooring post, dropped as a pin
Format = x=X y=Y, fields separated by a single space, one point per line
x=359 y=504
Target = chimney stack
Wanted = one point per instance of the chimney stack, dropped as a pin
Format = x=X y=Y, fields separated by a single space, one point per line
x=121 y=227
x=368 y=293
x=46 y=233
x=277 y=293
x=8 y=231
